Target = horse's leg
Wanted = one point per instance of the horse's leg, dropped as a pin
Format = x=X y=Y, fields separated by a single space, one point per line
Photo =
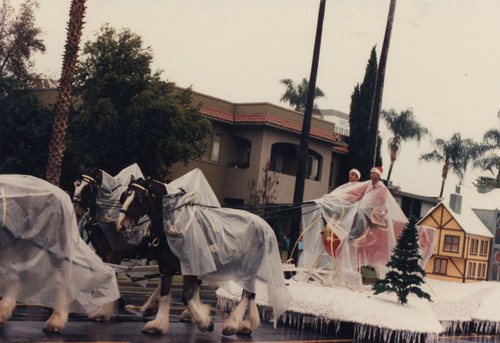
x=159 y=325
x=151 y=306
x=8 y=302
x=185 y=315
x=234 y=323
x=59 y=316
x=252 y=320
x=200 y=313
x=107 y=311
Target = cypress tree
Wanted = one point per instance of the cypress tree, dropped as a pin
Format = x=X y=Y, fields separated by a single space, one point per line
x=405 y=275
x=359 y=117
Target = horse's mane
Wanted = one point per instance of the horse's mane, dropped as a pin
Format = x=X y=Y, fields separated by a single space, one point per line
x=157 y=187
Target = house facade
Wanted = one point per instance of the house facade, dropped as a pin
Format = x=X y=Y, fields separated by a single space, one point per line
x=248 y=136
x=463 y=243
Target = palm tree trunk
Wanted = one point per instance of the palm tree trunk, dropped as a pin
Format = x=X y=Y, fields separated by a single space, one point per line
x=379 y=85
x=444 y=174
x=300 y=177
x=390 y=171
x=57 y=145
x=442 y=187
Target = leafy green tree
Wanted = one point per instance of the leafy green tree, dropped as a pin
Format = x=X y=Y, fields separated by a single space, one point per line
x=25 y=124
x=127 y=113
x=25 y=128
x=19 y=41
x=296 y=95
x=359 y=119
x=403 y=127
x=405 y=275
x=455 y=153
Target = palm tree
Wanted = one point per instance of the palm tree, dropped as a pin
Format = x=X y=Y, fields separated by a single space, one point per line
x=455 y=154
x=296 y=95
x=403 y=127
x=57 y=146
x=491 y=143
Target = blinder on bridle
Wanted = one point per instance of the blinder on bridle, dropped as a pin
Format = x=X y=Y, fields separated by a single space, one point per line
x=141 y=193
x=93 y=186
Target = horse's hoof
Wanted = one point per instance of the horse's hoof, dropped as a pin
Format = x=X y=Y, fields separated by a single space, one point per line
x=229 y=331
x=97 y=319
x=52 y=330
x=185 y=317
x=151 y=331
x=245 y=332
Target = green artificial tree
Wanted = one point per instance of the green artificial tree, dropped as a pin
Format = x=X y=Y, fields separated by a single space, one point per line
x=405 y=275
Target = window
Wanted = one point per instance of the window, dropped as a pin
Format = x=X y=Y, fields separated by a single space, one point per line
x=216 y=153
x=451 y=243
x=497 y=236
x=237 y=152
x=481 y=271
x=471 y=270
x=440 y=265
x=484 y=248
x=473 y=246
x=284 y=160
x=313 y=166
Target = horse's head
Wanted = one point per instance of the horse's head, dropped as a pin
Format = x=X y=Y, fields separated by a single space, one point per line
x=142 y=197
x=86 y=186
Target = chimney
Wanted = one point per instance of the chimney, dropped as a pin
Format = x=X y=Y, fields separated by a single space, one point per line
x=456 y=203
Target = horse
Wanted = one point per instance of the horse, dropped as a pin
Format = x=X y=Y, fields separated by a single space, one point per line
x=43 y=260
x=103 y=237
x=212 y=258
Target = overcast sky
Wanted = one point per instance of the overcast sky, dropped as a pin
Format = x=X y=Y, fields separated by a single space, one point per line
x=444 y=57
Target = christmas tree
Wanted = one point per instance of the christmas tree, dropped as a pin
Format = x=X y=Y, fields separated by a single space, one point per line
x=405 y=274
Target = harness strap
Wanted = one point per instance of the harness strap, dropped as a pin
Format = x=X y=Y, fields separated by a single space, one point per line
x=90 y=178
x=139 y=186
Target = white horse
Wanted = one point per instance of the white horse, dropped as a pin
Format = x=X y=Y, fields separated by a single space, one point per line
x=43 y=260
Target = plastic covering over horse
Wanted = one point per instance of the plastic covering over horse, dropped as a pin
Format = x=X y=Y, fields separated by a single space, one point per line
x=96 y=201
x=43 y=259
x=355 y=225
x=211 y=243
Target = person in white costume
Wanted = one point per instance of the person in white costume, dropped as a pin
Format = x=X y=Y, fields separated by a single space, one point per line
x=356 y=225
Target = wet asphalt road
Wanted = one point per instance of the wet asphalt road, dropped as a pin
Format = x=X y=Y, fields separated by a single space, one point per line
x=28 y=321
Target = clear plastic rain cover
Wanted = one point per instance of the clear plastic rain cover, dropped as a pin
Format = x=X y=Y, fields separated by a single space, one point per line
x=40 y=245
x=221 y=244
x=108 y=208
x=357 y=224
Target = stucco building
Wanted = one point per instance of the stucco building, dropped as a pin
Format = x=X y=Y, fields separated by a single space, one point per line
x=247 y=135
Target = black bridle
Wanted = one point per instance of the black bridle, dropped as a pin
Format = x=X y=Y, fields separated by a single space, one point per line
x=93 y=187
x=141 y=194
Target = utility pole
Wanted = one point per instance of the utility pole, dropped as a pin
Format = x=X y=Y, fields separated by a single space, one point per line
x=300 y=177
x=379 y=85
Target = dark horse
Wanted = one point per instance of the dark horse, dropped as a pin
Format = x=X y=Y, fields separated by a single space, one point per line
x=87 y=186
x=145 y=197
